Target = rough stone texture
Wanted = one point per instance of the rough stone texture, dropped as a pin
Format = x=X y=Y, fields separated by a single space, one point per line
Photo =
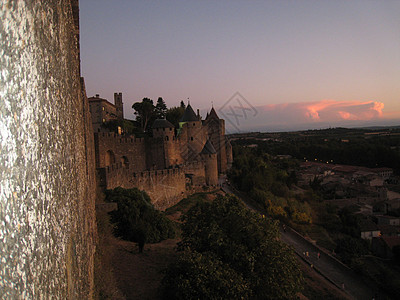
x=47 y=183
x=211 y=169
x=165 y=187
x=131 y=149
x=196 y=172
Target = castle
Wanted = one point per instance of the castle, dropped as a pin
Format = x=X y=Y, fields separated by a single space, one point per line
x=167 y=165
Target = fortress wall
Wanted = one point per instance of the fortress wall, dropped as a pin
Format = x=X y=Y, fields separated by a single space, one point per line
x=165 y=187
x=196 y=168
x=47 y=187
x=134 y=149
x=155 y=154
x=175 y=152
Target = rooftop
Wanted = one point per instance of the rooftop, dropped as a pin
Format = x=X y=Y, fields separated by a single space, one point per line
x=189 y=115
x=162 y=123
x=208 y=148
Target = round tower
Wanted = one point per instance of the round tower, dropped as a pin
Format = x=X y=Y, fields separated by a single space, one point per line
x=196 y=135
x=209 y=157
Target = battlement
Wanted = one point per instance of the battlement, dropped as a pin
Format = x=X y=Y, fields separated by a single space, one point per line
x=120 y=168
x=117 y=138
x=165 y=187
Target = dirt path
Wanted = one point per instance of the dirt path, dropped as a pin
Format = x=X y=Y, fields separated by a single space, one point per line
x=139 y=275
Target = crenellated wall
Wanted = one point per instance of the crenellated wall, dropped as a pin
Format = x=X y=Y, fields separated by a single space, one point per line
x=131 y=148
x=47 y=179
x=165 y=187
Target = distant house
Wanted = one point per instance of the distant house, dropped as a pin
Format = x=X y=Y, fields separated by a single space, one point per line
x=364 y=209
x=369 y=230
x=392 y=204
x=383 y=246
x=388 y=220
x=389 y=230
x=376 y=182
x=385 y=173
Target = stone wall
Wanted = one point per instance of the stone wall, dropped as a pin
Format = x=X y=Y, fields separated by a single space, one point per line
x=134 y=149
x=47 y=185
x=165 y=187
x=197 y=172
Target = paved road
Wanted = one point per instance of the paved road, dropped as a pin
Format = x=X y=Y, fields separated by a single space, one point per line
x=328 y=266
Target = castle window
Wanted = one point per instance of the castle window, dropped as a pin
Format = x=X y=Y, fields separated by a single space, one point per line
x=167 y=138
x=194 y=124
x=103 y=108
x=163 y=129
x=209 y=155
x=191 y=138
x=104 y=120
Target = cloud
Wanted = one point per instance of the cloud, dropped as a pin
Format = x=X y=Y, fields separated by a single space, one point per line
x=316 y=114
x=326 y=110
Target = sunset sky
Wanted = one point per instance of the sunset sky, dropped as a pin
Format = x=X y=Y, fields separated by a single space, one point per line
x=267 y=65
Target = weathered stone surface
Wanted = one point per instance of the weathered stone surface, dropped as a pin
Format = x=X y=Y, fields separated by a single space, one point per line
x=47 y=182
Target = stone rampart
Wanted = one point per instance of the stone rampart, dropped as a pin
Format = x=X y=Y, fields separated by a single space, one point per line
x=47 y=178
x=130 y=150
x=165 y=187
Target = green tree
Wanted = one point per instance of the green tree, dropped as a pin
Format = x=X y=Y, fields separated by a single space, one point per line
x=160 y=109
x=203 y=276
x=174 y=115
x=243 y=242
x=144 y=112
x=136 y=219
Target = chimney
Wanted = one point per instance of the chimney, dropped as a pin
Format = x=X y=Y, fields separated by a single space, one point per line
x=97 y=95
x=198 y=114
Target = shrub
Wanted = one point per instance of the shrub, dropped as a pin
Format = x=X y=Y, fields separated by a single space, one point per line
x=136 y=219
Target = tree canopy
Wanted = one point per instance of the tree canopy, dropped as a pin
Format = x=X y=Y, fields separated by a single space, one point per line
x=174 y=115
x=144 y=112
x=160 y=109
x=136 y=219
x=229 y=252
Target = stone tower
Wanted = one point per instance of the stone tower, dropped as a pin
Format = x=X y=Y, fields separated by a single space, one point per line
x=216 y=134
x=164 y=135
x=209 y=157
x=119 y=106
x=192 y=129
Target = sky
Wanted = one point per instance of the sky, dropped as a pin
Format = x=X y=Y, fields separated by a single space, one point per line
x=264 y=65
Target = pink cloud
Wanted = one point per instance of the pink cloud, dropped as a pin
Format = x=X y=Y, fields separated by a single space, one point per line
x=347 y=116
x=326 y=110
